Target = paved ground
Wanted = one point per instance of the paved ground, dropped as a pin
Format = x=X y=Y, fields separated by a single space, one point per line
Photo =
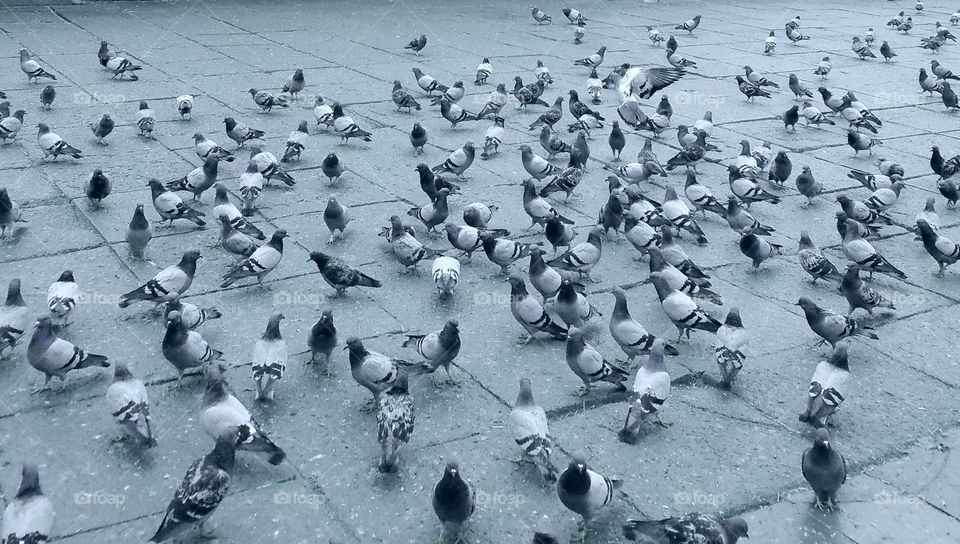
x=736 y=452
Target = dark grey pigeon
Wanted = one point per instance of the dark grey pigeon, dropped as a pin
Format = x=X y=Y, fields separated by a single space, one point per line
x=584 y=491
x=831 y=326
x=185 y=348
x=861 y=295
x=395 y=419
x=453 y=501
x=338 y=274
x=694 y=528
x=824 y=469
x=322 y=338
x=815 y=263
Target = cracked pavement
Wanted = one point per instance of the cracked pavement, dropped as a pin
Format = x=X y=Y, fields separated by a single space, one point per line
x=735 y=452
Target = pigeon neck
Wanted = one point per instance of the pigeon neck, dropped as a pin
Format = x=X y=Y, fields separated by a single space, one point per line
x=14 y=298
x=29 y=485
x=188 y=265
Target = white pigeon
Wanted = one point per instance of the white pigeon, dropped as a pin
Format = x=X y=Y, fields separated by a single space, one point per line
x=62 y=297
x=129 y=406
x=269 y=359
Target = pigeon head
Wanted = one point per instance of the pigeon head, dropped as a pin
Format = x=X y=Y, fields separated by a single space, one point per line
x=733 y=318
x=736 y=527
x=30 y=478
x=121 y=373
x=657 y=262
x=13 y=294
x=578 y=462
x=198 y=137
x=190 y=257
x=224 y=452
x=853 y=271
x=229 y=122
x=821 y=438
x=318 y=101
x=273 y=327
x=19 y=115
x=499 y=121
x=809 y=307
x=525 y=396
x=357 y=351
x=24 y=54
x=302 y=127
x=655 y=360
x=805 y=241
x=143 y=105
x=839 y=356
x=452 y=469
x=326 y=318
x=320 y=258
x=42 y=128
x=173 y=317
x=253 y=91
x=517 y=286
x=252 y=167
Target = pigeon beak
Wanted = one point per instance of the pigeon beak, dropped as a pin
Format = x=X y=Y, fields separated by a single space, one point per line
x=345 y=348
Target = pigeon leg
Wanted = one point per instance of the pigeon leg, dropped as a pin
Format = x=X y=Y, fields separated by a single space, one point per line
x=525 y=339
x=43 y=387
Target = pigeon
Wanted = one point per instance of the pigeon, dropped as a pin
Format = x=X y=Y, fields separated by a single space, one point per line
x=239 y=132
x=336 y=217
x=587 y=363
x=51 y=144
x=15 y=318
x=695 y=287
x=678 y=214
x=260 y=263
x=687 y=529
x=495 y=102
x=417 y=44
x=929 y=84
x=941 y=71
x=97 y=187
x=494 y=137
x=828 y=387
x=267 y=100
x=418 y=138
x=454 y=113
x=781 y=168
x=28 y=517
x=799 y=88
x=528 y=423
x=905 y=26
x=654 y=35
x=770 y=43
x=676 y=256
x=825 y=66
x=617 y=141
x=199 y=179
x=859 y=294
x=896 y=21
x=439 y=348
x=582 y=257
x=572 y=307
x=129 y=406
x=184 y=105
x=402 y=98
x=54 y=356
x=32 y=68
x=452 y=95
x=860 y=212
x=551 y=116
x=458 y=161
x=729 y=347
x=322 y=338
x=949 y=97
x=640 y=83
x=757 y=79
x=540 y=17
x=750 y=90
x=929 y=215
x=10 y=126
x=139 y=233
x=173 y=279
x=886 y=51
x=469 y=239
x=62 y=297
x=813 y=116
x=191 y=316
x=206 y=147
x=47 y=96
x=864 y=254
x=484 y=69
x=146 y=120
x=831 y=326
x=794 y=35
x=405 y=246
x=434 y=213
x=543 y=277
x=427 y=83
x=558 y=231
x=528 y=311
x=574 y=16
x=446 y=275
x=220 y=411
x=269 y=359
x=858 y=142
x=294 y=83
x=203 y=488
x=861 y=49
x=808 y=186
x=374 y=371
x=339 y=275
x=102 y=128
x=685 y=314
x=690 y=24
x=503 y=251
x=226 y=210
x=611 y=213
x=296 y=143
x=943 y=250
x=758 y=249
x=947 y=187
x=251 y=187
x=269 y=166
x=454 y=500
x=332 y=167
x=612 y=81
x=629 y=334
x=395 y=422
x=641 y=235
x=567 y=180
x=650 y=390
x=824 y=469
x=322 y=112
x=679 y=61
x=885 y=198
x=584 y=491
x=184 y=348
x=815 y=263
x=528 y=94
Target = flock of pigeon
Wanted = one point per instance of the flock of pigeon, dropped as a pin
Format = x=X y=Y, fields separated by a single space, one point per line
x=558 y=307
